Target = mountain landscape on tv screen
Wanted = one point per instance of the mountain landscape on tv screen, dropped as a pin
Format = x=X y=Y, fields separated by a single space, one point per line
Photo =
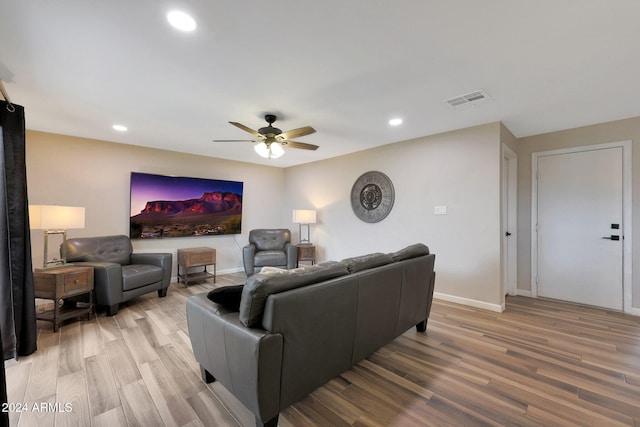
x=211 y=214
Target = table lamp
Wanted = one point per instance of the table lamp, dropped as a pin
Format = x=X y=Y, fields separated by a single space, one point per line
x=304 y=217
x=55 y=219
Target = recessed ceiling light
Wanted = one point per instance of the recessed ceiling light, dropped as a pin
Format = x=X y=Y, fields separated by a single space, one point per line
x=395 y=122
x=182 y=21
x=120 y=128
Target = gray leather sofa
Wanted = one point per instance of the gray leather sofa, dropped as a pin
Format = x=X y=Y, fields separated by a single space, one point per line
x=269 y=247
x=119 y=274
x=297 y=329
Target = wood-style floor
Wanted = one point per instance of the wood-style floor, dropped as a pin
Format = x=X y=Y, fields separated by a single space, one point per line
x=538 y=363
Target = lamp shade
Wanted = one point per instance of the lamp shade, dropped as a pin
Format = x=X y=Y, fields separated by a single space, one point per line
x=53 y=217
x=304 y=216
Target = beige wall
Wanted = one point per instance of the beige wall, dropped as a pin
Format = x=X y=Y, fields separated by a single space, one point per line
x=620 y=130
x=507 y=138
x=459 y=169
x=71 y=171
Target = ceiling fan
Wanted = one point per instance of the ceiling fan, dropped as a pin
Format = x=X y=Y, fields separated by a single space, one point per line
x=272 y=140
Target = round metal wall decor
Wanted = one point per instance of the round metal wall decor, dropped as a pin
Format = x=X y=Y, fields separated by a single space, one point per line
x=372 y=196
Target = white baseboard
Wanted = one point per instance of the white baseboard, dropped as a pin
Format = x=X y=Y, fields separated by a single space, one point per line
x=470 y=302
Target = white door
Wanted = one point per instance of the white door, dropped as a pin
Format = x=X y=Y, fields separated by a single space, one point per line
x=579 y=214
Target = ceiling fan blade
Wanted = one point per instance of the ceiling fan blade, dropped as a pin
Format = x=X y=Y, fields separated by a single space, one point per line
x=302 y=145
x=296 y=133
x=237 y=140
x=247 y=129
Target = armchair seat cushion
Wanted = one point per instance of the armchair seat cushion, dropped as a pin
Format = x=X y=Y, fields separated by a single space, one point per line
x=264 y=258
x=137 y=275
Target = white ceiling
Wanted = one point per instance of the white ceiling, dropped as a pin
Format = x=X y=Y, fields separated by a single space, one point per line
x=344 y=67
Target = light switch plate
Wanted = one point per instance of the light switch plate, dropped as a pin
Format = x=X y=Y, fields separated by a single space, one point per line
x=439 y=210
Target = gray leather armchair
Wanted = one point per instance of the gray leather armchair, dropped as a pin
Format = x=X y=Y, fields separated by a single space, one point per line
x=119 y=274
x=269 y=247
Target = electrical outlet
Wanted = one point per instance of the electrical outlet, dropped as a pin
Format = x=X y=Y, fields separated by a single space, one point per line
x=439 y=210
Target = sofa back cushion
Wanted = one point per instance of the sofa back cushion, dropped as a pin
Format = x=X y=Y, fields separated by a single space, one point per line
x=260 y=286
x=411 y=251
x=270 y=239
x=116 y=249
x=365 y=262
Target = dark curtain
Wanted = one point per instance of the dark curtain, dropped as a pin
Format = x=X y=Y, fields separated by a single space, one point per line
x=17 y=300
x=4 y=415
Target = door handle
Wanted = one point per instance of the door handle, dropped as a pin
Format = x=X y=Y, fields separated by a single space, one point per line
x=507 y=234
x=612 y=237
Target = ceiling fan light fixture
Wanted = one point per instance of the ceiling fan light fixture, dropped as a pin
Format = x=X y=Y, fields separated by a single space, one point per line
x=181 y=20
x=276 y=150
x=262 y=150
x=273 y=151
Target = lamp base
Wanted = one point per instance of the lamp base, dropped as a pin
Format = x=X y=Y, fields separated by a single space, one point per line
x=304 y=240
x=56 y=261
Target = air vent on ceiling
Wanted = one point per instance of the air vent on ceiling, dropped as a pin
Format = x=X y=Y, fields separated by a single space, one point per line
x=472 y=98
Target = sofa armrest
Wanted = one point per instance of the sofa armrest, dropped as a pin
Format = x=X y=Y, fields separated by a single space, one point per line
x=107 y=279
x=162 y=260
x=292 y=255
x=246 y=361
x=248 y=258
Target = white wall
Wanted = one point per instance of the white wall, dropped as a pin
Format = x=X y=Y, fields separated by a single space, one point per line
x=459 y=169
x=69 y=171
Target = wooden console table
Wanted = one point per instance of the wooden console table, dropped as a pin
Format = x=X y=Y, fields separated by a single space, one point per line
x=63 y=282
x=196 y=257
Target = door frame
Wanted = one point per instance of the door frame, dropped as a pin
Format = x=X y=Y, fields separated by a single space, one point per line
x=510 y=219
x=626 y=214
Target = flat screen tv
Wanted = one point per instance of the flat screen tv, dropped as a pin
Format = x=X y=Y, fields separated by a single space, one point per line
x=175 y=206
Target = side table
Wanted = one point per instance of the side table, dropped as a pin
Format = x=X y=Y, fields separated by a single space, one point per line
x=63 y=282
x=196 y=257
x=306 y=252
